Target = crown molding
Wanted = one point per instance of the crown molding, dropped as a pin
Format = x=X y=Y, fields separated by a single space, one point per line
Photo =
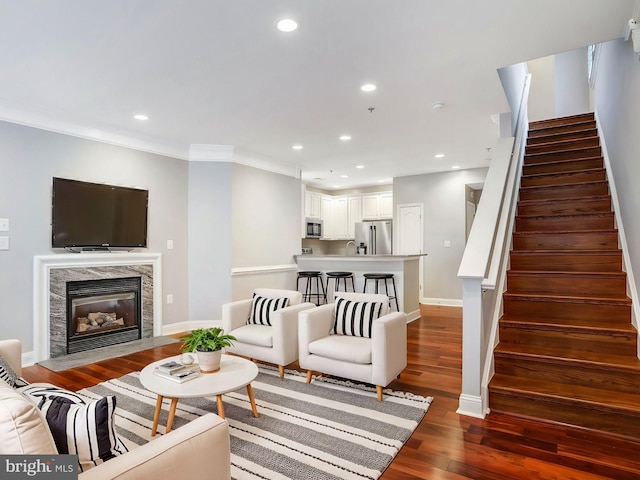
x=194 y=152
x=266 y=163
x=201 y=152
x=46 y=122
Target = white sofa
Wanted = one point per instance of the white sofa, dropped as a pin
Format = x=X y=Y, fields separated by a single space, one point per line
x=278 y=343
x=377 y=360
x=199 y=449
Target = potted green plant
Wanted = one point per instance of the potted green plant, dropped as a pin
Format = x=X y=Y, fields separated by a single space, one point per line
x=208 y=344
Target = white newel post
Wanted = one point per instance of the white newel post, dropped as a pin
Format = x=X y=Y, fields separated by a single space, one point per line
x=470 y=402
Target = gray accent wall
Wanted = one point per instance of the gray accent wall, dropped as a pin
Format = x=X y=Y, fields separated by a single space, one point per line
x=29 y=159
x=444 y=197
x=209 y=239
x=617 y=102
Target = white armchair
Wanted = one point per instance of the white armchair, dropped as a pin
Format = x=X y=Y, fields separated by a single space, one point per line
x=276 y=343
x=376 y=360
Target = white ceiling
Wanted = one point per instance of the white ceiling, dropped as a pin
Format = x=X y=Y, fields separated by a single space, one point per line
x=218 y=72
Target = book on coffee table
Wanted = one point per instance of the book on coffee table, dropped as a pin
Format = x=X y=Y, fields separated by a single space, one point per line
x=180 y=376
x=170 y=367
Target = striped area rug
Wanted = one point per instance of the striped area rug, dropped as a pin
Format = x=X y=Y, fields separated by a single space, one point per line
x=325 y=430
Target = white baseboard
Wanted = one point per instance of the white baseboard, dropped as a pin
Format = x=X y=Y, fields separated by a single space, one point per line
x=173 y=328
x=411 y=316
x=470 y=406
x=445 y=302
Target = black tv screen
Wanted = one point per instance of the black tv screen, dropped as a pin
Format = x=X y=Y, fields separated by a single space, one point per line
x=97 y=215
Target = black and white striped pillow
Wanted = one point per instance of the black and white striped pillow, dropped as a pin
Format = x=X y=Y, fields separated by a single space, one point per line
x=355 y=318
x=41 y=393
x=7 y=373
x=79 y=428
x=263 y=307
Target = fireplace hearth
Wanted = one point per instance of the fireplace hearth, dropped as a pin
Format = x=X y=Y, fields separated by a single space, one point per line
x=103 y=312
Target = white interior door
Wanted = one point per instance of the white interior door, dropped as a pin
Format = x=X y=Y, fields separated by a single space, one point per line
x=410 y=234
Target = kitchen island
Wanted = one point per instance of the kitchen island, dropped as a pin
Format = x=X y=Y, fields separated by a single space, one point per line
x=405 y=269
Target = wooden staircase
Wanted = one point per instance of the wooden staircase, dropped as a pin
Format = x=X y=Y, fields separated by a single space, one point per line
x=567 y=351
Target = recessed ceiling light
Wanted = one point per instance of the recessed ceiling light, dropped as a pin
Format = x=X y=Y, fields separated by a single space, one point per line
x=336 y=186
x=345 y=137
x=439 y=155
x=297 y=147
x=368 y=87
x=141 y=116
x=344 y=176
x=381 y=181
x=359 y=166
x=455 y=167
x=437 y=105
x=287 y=25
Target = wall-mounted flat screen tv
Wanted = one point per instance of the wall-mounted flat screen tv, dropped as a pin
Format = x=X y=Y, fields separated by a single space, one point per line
x=97 y=215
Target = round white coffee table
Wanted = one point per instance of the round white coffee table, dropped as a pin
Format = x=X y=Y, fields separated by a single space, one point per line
x=235 y=372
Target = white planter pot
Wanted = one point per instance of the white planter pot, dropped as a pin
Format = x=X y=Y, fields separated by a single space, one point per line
x=209 y=361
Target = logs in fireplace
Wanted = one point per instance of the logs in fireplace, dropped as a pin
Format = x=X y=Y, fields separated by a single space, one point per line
x=103 y=312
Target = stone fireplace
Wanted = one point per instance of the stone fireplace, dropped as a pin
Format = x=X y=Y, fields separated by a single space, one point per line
x=86 y=301
x=103 y=312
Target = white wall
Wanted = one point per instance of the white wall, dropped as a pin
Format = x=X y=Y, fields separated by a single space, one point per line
x=443 y=196
x=542 y=93
x=29 y=159
x=266 y=211
x=617 y=101
x=571 y=83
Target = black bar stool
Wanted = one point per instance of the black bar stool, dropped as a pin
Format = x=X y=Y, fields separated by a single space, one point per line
x=320 y=293
x=337 y=276
x=379 y=277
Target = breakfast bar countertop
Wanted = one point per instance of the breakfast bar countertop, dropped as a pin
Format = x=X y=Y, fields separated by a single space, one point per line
x=405 y=269
x=377 y=258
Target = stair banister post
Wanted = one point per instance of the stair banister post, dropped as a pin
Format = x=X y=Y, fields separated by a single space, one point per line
x=470 y=402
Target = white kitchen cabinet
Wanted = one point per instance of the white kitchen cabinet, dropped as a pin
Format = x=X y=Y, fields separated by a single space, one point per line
x=354 y=215
x=312 y=205
x=326 y=214
x=385 y=205
x=340 y=218
x=377 y=206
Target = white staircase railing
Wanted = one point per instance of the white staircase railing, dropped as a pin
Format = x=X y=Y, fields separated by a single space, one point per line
x=484 y=264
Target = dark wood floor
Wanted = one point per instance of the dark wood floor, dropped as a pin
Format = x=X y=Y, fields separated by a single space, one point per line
x=445 y=445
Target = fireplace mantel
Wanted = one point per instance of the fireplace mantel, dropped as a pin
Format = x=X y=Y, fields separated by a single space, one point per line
x=42 y=266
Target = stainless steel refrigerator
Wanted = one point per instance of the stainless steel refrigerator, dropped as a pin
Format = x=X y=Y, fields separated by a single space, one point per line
x=373 y=237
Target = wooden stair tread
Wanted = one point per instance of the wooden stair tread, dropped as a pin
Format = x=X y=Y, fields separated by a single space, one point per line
x=577 y=325
x=557 y=232
x=583 y=130
x=611 y=400
x=567 y=252
x=566 y=298
x=564 y=161
x=594 y=275
x=561 y=185
x=563 y=173
x=577 y=357
x=560 y=121
x=542 y=201
x=562 y=144
x=568 y=216
x=533 y=156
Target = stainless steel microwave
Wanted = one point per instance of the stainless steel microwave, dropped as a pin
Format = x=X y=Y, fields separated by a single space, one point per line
x=314 y=228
